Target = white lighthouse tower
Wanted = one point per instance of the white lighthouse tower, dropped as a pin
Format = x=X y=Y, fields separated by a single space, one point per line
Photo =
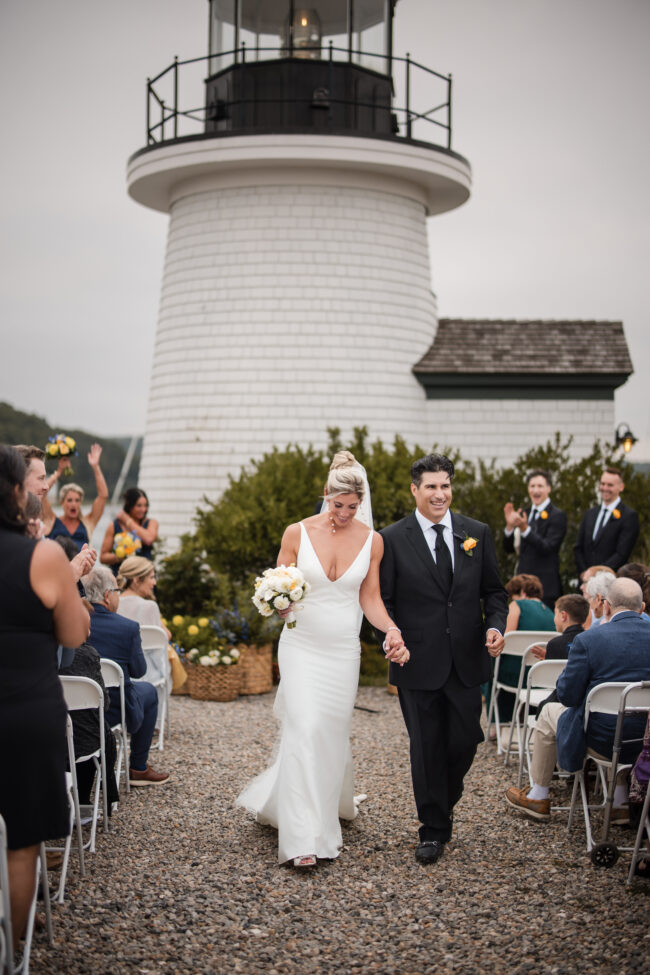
x=297 y=287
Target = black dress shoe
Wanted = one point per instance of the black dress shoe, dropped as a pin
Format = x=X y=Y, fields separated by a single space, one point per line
x=429 y=851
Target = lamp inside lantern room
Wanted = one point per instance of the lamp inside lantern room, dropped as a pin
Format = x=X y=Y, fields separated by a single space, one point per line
x=305 y=29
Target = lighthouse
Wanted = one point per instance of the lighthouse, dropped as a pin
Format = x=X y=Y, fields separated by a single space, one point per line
x=298 y=175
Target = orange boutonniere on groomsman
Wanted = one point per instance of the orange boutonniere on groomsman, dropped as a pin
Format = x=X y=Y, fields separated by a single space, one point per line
x=543 y=514
x=469 y=544
x=616 y=513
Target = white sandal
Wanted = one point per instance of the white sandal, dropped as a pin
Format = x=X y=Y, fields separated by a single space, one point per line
x=306 y=861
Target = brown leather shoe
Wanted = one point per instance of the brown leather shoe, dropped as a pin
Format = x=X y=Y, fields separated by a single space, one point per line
x=535 y=808
x=148 y=777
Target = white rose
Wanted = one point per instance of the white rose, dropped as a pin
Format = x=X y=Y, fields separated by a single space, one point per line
x=192 y=654
x=281 y=602
x=226 y=659
x=283 y=584
x=205 y=661
x=235 y=654
x=215 y=661
x=295 y=595
x=213 y=653
x=266 y=610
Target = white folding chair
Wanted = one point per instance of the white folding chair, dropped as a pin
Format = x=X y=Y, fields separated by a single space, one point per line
x=113 y=676
x=607 y=698
x=6 y=939
x=22 y=968
x=154 y=644
x=81 y=694
x=517 y=644
x=542 y=678
x=75 y=817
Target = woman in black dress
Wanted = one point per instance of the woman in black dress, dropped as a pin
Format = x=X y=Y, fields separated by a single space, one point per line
x=39 y=608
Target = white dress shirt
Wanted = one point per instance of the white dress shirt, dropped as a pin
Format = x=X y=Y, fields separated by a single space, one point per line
x=430 y=534
x=604 y=515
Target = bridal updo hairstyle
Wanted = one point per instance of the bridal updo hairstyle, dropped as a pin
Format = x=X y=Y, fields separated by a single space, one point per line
x=344 y=476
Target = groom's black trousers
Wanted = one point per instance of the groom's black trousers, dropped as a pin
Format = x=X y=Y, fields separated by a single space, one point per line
x=444 y=728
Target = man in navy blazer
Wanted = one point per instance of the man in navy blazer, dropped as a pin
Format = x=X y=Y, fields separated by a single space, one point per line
x=608 y=532
x=617 y=651
x=118 y=639
x=542 y=527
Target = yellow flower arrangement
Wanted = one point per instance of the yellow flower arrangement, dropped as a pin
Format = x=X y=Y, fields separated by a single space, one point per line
x=61 y=446
x=126 y=544
x=543 y=514
x=616 y=514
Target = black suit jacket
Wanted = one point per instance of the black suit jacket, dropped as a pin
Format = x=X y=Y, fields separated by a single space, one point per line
x=539 y=551
x=615 y=541
x=438 y=629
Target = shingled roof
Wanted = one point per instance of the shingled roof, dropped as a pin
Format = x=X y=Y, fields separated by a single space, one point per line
x=520 y=355
x=468 y=345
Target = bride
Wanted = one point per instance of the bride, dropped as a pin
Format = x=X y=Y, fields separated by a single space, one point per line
x=311 y=782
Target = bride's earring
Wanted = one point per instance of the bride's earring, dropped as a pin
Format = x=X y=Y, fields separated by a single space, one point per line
x=332 y=523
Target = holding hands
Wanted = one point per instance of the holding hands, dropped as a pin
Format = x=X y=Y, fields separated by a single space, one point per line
x=394 y=647
x=494 y=642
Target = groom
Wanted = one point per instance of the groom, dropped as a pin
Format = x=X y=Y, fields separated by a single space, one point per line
x=436 y=571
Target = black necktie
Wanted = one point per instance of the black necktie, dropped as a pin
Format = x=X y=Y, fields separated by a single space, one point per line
x=443 y=558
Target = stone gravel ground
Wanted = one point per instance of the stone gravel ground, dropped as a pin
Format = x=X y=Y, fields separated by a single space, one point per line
x=185 y=883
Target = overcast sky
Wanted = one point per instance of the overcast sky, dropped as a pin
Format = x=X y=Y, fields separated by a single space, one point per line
x=550 y=107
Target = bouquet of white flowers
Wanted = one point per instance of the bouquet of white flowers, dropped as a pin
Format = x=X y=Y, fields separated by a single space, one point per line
x=279 y=589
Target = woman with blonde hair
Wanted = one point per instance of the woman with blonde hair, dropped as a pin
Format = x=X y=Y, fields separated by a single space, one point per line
x=311 y=782
x=137 y=579
x=73 y=523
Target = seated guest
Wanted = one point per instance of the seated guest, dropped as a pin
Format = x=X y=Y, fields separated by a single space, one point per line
x=118 y=639
x=85 y=725
x=542 y=528
x=596 y=590
x=619 y=651
x=641 y=574
x=525 y=612
x=137 y=580
x=132 y=518
x=570 y=615
x=73 y=522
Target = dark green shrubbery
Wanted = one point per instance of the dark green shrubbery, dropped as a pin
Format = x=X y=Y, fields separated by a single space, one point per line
x=239 y=535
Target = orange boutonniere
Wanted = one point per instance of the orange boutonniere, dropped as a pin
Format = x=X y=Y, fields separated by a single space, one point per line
x=543 y=514
x=616 y=514
x=469 y=544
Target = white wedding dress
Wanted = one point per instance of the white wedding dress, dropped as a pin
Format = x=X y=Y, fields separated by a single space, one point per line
x=311 y=782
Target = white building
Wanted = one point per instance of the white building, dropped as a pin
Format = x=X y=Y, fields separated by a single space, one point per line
x=297 y=286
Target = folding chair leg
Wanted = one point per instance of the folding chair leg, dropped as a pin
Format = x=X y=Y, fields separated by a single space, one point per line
x=45 y=887
x=644 y=827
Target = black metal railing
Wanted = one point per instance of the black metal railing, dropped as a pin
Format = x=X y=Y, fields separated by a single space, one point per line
x=168 y=120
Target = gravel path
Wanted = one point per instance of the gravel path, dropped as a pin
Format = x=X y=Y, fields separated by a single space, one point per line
x=185 y=883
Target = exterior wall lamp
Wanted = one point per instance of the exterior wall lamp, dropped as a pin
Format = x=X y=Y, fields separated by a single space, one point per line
x=624 y=437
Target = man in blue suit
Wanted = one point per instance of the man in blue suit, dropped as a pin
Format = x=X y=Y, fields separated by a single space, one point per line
x=118 y=638
x=617 y=651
